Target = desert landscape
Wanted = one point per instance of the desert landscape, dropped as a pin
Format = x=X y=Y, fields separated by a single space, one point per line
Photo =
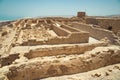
x=58 y=48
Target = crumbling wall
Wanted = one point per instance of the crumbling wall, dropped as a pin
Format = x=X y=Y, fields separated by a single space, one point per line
x=91 y=21
x=74 y=35
x=60 y=50
x=106 y=23
x=97 y=33
x=61 y=65
x=60 y=31
x=78 y=37
x=81 y=14
x=111 y=72
x=71 y=39
x=66 y=35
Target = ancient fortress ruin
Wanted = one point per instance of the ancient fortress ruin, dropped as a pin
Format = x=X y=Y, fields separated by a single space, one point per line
x=57 y=48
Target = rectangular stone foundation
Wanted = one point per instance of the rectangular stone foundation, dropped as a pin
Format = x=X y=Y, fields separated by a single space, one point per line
x=66 y=35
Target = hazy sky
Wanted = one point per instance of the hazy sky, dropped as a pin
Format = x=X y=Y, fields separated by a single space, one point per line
x=32 y=8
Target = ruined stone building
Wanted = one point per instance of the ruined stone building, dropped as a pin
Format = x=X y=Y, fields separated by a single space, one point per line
x=57 y=48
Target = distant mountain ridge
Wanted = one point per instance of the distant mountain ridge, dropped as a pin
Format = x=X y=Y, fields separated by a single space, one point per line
x=115 y=15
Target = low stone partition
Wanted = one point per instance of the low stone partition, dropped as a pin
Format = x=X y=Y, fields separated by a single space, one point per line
x=43 y=67
x=60 y=31
x=64 y=49
x=96 y=33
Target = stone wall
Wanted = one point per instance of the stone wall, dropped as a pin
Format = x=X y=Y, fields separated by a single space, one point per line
x=60 y=31
x=91 y=21
x=96 y=33
x=71 y=39
x=81 y=14
x=66 y=35
x=43 y=67
x=60 y=50
x=106 y=23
